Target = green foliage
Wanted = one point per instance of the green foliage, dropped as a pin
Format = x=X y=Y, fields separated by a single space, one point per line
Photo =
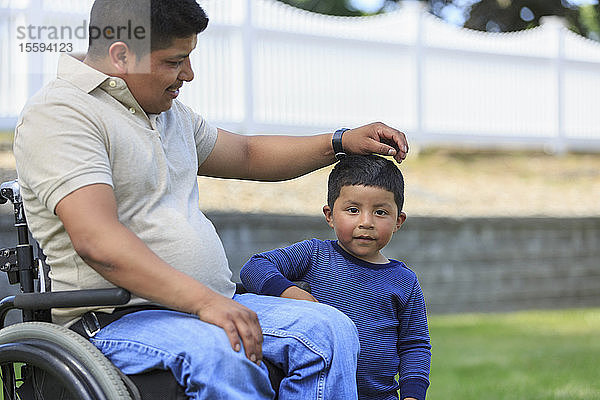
x=329 y=7
x=528 y=355
x=486 y=15
x=589 y=18
x=515 y=15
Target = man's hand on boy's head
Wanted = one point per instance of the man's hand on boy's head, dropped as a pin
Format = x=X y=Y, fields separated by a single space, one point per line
x=294 y=292
x=376 y=138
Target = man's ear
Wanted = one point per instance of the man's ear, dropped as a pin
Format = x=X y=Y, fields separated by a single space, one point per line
x=401 y=219
x=328 y=215
x=120 y=57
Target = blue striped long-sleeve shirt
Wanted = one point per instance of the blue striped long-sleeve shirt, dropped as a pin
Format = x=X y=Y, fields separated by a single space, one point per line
x=385 y=302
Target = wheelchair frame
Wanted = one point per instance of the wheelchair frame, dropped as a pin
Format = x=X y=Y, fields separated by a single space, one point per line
x=35 y=350
x=35 y=354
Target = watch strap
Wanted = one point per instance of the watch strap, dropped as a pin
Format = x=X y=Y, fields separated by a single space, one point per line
x=336 y=143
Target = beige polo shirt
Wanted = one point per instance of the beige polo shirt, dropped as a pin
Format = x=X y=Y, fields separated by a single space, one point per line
x=86 y=127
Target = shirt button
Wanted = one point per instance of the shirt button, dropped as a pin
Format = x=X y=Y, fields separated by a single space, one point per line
x=132 y=110
x=112 y=84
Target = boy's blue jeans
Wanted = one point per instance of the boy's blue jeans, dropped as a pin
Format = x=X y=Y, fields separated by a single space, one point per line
x=316 y=345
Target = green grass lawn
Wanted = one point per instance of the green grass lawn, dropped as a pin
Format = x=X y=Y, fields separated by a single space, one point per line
x=527 y=355
x=540 y=355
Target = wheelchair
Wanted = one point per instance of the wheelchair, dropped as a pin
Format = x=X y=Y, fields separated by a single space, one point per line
x=41 y=360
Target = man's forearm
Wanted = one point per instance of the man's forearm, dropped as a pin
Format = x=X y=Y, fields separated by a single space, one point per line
x=275 y=158
x=124 y=260
x=285 y=157
x=89 y=216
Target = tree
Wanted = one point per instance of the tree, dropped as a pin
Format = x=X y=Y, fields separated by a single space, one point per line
x=484 y=15
x=589 y=18
x=329 y=7
x=515 y=15
x=340 y=7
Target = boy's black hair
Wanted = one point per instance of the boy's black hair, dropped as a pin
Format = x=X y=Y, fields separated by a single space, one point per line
x=159 y=22
x=368 y=170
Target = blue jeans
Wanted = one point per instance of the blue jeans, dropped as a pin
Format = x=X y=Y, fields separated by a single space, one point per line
x=314 y=344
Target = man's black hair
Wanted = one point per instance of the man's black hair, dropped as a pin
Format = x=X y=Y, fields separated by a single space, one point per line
x=371 y=170
x=159 y=22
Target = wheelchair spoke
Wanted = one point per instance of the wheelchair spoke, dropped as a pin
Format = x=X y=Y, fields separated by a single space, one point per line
x=37 y=386
x=8 y=381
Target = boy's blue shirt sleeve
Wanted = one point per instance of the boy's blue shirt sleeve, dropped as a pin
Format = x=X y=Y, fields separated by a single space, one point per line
x=414 y=345
x=272 y=272
x=414 y=388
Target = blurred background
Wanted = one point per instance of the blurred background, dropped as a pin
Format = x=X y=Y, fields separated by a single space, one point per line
x=499 y=101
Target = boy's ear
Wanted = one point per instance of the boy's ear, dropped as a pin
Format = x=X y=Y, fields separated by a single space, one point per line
x=328 y=215
x=401 y=219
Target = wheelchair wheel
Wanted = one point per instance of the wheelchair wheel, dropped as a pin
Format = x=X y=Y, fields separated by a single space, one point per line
x=45 y=361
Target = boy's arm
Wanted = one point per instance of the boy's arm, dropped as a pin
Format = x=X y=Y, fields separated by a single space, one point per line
x=294 y=292
x=272 y=272
x=414 y=346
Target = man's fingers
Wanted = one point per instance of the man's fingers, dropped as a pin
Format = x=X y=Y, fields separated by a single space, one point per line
x=249 y=331
x=240 y=324
x=395 y=139
x=377 y=138
x=232 y=333
x=387 y=150
x=241 y=333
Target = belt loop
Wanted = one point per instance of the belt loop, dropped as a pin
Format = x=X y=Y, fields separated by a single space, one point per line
x=90 y=323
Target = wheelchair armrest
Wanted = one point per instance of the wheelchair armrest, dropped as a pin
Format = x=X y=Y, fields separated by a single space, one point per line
x=72 y=298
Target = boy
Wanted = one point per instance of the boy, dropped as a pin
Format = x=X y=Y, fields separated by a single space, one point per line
x=382 y=296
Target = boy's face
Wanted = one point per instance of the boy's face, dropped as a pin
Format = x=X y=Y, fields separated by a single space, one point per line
x=364 y=219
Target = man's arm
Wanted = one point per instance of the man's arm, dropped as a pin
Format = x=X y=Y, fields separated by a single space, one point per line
x=89 y=215
x=272 y=158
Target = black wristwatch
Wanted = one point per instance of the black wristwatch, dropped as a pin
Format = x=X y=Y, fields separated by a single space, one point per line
x=336 y=143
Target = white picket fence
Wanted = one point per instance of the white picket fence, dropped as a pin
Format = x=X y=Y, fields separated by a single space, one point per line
x=264 y=67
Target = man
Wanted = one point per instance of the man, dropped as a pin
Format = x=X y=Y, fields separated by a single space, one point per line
x=107 y=161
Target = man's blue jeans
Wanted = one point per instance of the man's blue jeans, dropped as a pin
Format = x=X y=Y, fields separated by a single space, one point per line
x=316 y=346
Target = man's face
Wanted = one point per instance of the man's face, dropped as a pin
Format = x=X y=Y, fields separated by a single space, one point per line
x=155 y=79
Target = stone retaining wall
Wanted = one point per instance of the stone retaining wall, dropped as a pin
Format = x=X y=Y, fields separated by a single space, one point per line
x=464 y=265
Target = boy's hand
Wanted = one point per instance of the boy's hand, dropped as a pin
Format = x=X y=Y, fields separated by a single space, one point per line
x=294 y=292
x=376 y=138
